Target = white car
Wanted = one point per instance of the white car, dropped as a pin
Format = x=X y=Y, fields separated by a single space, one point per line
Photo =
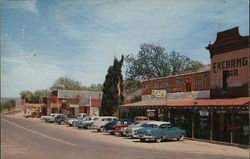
x=51 y=118
x=71 y=121
x=45 y=117
x=135 y=126
x=103 y=120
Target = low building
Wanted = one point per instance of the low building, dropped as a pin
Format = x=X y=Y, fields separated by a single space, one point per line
x=74 y=102
x=211 y=105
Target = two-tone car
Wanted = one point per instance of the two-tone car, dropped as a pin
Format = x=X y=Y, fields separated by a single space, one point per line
x=130 y=130
x=51 y=118
x=102 y=120
x=159 y=131
x=87 y=122
x=121 y=126
x=71 y=120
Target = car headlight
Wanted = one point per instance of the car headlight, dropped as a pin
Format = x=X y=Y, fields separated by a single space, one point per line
x=149 y=132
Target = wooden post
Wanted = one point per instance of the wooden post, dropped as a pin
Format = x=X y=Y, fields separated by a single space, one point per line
x=232 y=129
x=211 y=125
x=193 y=124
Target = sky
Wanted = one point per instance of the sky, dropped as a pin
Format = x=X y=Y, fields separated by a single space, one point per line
x=42 y=40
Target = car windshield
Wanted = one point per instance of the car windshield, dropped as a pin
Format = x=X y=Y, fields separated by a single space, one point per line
x=150 y=126
x=136 y=123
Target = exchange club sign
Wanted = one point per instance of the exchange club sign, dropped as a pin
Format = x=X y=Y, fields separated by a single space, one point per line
x=158 y=93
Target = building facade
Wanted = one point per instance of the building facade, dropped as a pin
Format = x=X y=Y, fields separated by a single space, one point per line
x=74 y=102
x=211 y=105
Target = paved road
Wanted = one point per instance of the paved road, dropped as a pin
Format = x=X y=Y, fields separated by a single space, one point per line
x=31 y=138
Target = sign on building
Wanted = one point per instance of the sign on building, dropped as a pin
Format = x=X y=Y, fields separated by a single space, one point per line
x=150 y=113
x=74 y=106
x=158 y=93
x=204 y=113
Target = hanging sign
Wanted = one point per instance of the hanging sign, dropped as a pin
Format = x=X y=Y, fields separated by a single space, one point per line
x=150 y=113
x=204 y=113
x=158 y=93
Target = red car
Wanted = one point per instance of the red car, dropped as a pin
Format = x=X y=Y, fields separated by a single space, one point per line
x=121 y=126
x=141 y=118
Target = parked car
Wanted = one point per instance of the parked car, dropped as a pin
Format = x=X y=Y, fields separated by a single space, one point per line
x=76 y=123
x=44 y=117
x=110 y=127
x=71 y=120
x=159 y=131
x=60 y=119
x=121 y=126
x=130 y=130
x=103 y=120
x=141 y=118
x=87 y=123
x=51 y=118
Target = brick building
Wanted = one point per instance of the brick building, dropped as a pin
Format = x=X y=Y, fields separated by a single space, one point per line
x=210 y=105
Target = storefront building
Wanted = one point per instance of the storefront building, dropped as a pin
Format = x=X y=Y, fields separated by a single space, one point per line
x=211 y=105
x=74 y=102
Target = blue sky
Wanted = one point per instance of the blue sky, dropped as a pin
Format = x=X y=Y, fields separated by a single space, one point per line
x=79 y=39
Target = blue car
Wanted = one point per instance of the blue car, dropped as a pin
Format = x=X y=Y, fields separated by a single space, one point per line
x=159 y=131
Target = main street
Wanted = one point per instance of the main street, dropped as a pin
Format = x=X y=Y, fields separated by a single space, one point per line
x=31 y=138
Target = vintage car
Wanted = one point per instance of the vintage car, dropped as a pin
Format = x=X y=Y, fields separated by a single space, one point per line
x=121 y=126
x=130 y=130
x=71 y=120
x=141 y=118
x=60 y=119
x=158 y=131
x=51 y=118
x=45 y=117
x=103 y=120
x=87 y=123
x=110 y=127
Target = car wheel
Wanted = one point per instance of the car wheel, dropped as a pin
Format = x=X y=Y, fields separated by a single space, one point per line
x=62 y=122
x=101 y=129
x=181 y=138
x=158 y=139
x=142 y=140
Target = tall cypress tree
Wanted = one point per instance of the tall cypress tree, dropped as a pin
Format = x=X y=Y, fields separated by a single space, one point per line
x=112 y=89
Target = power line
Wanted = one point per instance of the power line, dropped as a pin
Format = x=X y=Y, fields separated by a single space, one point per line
x=85 y=18
x=131 y=34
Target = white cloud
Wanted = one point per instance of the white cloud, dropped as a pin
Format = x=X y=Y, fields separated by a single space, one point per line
x=27 y=5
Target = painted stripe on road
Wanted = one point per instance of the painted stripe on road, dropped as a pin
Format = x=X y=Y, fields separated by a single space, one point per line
x=35 y=132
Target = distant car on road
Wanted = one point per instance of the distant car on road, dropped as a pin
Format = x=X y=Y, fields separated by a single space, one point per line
x=159 y=131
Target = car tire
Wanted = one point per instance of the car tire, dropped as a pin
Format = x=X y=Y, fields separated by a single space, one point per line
x=61 y=122
x=181 y=137
x=101 y=129
x=142 y=140
x=158 y=139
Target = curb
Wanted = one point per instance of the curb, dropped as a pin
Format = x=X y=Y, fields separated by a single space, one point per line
x=220 y=143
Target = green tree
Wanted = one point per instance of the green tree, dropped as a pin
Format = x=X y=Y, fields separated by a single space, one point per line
x=27 y=96
x=66 y=83
x=112 y=89
x=34 y=97
x=95 y=87
x=10 y=104
x=153 y=61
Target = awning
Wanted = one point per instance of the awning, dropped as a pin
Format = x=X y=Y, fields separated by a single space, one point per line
x=243 y=101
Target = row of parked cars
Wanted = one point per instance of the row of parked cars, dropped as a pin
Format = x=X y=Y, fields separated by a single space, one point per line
x=140 y=127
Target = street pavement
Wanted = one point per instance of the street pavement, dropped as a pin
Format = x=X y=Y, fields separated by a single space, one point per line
x=33 y=139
